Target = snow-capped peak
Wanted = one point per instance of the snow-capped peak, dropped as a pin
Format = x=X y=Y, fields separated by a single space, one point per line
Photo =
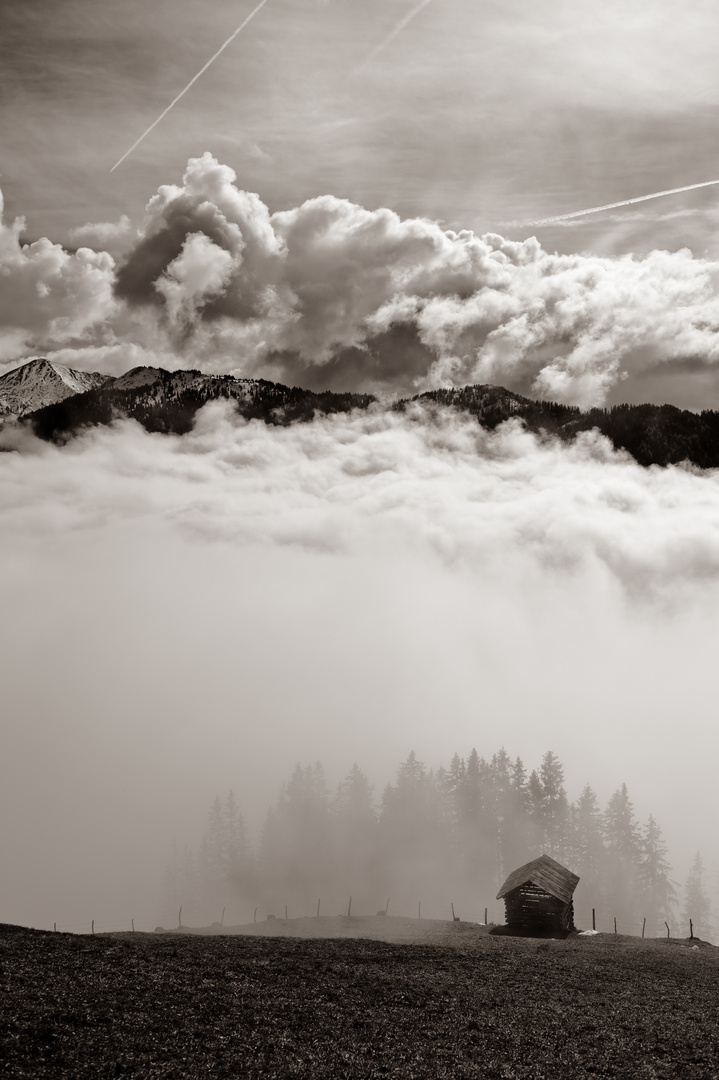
x=43 y=382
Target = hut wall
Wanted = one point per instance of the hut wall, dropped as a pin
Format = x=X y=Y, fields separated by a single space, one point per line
x=529 y=908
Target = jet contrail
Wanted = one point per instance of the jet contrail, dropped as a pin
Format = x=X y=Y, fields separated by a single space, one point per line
x=390 y=37
x=182 y=93
x=613 y=205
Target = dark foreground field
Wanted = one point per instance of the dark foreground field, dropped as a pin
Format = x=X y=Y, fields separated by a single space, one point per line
x=464 y=1005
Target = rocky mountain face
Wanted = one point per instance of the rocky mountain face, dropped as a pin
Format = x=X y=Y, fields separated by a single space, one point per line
x=58 y=402
x=166 y=401
x=42 y=382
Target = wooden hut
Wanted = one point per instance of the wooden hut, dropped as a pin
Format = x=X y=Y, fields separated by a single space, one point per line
x=538 y=898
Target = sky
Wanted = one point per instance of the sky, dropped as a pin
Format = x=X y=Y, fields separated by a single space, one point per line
x=338 y=202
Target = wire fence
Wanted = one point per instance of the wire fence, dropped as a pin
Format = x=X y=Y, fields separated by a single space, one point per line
x=602 y=920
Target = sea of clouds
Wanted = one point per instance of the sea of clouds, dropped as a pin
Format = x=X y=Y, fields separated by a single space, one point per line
x=187 y=614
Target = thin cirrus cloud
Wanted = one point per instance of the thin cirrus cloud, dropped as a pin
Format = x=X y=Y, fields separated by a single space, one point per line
x=191 y=83
x=401 y=25
x=613 y=206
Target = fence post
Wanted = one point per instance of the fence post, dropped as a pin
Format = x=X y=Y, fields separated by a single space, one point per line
x=254 y=917
x=93 y=926
x=667 y=926
x=594 y=919
x=133 y=925
x=419 y=909
x=615 y=924
x=386 y=907
x=54 y=926
x=349 y=908
x=691 y=930
x=285 y=912
x=318 y=909
x=485 y=917
x=179 y=917
x=222 y=920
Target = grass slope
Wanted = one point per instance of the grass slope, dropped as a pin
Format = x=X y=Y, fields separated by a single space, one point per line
x=467 y=1005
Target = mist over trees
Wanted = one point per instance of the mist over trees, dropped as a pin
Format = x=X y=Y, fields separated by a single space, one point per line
x=435 y=837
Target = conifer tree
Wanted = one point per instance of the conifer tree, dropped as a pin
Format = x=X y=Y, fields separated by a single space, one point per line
x=697 y=905
x=535 y=795
x=239 y=868
x=657 y=894
x=216 y=849
x=477 y=828
x=622 y=841
x=517 y=830
x=554 y=805
x=414 y=854
x=588 y=847
x=355 y=833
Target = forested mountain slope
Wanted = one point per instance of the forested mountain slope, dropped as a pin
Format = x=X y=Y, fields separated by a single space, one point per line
x=166 y=401
x=652 y=434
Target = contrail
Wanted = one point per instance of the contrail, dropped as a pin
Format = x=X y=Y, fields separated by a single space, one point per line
x=192 y=81
x=390 y=37
x=613 y=205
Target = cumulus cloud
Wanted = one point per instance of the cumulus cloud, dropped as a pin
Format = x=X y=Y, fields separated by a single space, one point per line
x=116 y=237
x=49 y=296
x=332 y=295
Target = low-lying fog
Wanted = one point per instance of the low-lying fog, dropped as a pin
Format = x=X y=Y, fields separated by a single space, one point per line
x=182 y=616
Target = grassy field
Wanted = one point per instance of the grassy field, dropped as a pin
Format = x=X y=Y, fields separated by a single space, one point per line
x=441 y=1000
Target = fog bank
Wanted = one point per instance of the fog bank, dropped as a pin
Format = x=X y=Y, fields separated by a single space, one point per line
x=188 y=615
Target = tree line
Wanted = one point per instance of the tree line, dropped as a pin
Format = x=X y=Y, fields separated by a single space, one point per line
x=434 y=835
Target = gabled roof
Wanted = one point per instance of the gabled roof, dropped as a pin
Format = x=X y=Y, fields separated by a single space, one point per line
x=547 y=874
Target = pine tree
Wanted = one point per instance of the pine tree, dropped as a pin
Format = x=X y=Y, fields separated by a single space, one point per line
x=216 y=852
x=622 y=841
x=535 y=796
x=517 y=828
x=304 y=830
x=477 y=827
x=238 y=855
x=588 y=847
x=355 y=833
x=554 y=805
x=657 y=893
x=501 y=795
x=413 y=851
x=697 y=905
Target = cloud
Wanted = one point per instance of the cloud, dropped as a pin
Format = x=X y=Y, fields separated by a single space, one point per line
x=115 y=237
x=332 y=295
x=431 y=479
x=49 y=296
x=183 y=615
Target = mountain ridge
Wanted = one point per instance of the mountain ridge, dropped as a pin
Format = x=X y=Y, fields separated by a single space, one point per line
x=167 y=402
x=43 y=382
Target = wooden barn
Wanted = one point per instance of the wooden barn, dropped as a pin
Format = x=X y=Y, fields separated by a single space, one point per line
x=538 y=898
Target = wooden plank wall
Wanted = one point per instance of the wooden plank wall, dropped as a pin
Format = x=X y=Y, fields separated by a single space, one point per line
x=530 y=908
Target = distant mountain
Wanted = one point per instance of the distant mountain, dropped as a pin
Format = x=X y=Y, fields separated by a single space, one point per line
x=42 y=382
x=167 y=401
x=59 y=402
x=652 y=434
